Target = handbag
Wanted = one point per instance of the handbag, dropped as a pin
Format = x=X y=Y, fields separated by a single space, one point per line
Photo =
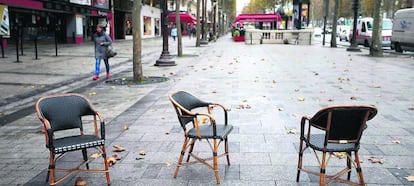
x=110 y=52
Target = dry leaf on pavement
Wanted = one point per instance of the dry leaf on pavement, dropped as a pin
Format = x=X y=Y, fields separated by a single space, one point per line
x=274 y=81
x=330 y=100
x=96 y=155
x=301 y=99
x=126 y=127
x=353 y=98
x=281 y=109
x=111 y=161
x=373 y=159
x=139 y=158
x=92 y=93
x=204 y=120
x=118 y=148
x=167 y=133
x=409 y=178
x=116 y=156
x=339 y=155
x=142 y=152
x=292 y=131
x=80 y=182
x=396 y=141
x=168 y=164
x=410 y=108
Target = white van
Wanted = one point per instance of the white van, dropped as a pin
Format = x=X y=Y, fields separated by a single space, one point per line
x=403 y=30
x=364 y=32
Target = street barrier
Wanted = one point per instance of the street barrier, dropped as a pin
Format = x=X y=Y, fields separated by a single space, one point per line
x=297 y=37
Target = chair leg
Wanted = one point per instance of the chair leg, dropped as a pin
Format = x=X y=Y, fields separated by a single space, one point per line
x=85 y=157
x=226 y=150
x=322 y=172
x=108 y=178
x=358 y=169
x=348 y=164
x=51 y=171
x=180 y=159
x=215 y=161
x=299 y=160
x=193 y=141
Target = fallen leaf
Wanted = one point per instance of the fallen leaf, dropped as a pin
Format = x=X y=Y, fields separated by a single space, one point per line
x=92 y=93
x=409 y=178
x=292 y=131
x=116 y=156
x=204 y=120
x=274 y=81
x=301 y=99
x=330 y=100
x=373 y=159
x=168 y=164
x=281 y=109
x=139 y=158
x=244 y=101
x=295 y=115
x=353 y=98
x=248 y=107
x=142 y=152
x=80 y=182
x=262 y=59
x=230 y=72
x=396 y=141
x=167 y=133
x=126 y=127
x=214 y=91
x=296 y=90
x=153 y=110
x=339 y=155
x=375 y=86
x=111 y=161
x=118 y=148
x=96 y=155
x=410 y=108
x=172 y=73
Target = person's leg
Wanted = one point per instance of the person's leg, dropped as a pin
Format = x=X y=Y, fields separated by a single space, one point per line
x=97 y=68
x=107 y=68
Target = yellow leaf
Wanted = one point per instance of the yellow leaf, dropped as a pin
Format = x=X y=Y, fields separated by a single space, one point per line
x=292 y=131
x=92 y=93
x=142 y=152
x=409 y=178
x=96 y=155
x=126 y=127
x=373 y=159
x=396 y=141
x=111 y=161
x=301 y=99
x=168 y=164
x=118 y=148
x=80 y=182
x=204 y=120
x=340 y=155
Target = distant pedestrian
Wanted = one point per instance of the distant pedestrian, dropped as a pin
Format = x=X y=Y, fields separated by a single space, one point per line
x=174 y=32
x=102 y=41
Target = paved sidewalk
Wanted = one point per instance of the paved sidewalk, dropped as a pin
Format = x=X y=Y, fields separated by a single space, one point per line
x=273 y=80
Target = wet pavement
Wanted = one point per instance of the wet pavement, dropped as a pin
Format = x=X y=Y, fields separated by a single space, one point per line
x=276 y=84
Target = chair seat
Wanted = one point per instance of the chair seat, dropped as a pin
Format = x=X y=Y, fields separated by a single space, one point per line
x=72 y=143
x=316 y=141
x=206 y=131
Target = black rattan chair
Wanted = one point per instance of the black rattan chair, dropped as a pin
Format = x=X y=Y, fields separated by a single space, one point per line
x=184 y=103
x=341 y=128
x=63 y=112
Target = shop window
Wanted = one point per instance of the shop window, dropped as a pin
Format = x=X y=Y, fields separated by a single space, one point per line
x=147 y=25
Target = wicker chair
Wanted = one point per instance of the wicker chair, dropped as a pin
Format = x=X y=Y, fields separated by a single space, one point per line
x=184 y=103
x=63 y=112
x=341 y=127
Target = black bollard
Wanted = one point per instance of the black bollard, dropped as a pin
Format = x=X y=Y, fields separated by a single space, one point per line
x=56 y=49
x=21 y=41
x=17 y=46
x=35 y=42
x=2 y=47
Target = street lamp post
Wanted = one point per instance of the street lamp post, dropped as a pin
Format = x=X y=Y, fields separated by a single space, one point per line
x=165 y=58
x=354 y=45
x=214 y=4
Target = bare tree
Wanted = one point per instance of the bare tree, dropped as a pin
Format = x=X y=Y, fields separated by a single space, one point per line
x=136 y=34
x=376 y=45
x=198 y=23
x=178 y=24
x=334 y=24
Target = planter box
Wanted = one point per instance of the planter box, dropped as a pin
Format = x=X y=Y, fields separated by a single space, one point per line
x=238 y=38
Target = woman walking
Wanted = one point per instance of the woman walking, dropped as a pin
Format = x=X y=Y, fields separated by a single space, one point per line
x=102 y=41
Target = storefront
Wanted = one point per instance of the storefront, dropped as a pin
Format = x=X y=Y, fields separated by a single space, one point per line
x=69 y=21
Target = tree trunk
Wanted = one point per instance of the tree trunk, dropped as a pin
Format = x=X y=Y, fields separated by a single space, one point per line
x=376 y=45
x=198 y=23
x=178 y=24
x=136 y=34
x=334 y=24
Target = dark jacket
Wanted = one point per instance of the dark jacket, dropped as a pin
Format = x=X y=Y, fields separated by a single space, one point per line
x=100 y=50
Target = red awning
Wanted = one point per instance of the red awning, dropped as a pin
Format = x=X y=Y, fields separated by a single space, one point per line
x=258 y=18
x=184 y=17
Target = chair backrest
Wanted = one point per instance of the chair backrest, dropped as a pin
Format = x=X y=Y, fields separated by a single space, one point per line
x=343 y=122
x=184 y=102
x=64 y=111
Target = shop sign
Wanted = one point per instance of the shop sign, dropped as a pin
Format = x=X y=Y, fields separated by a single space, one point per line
x=4 y=22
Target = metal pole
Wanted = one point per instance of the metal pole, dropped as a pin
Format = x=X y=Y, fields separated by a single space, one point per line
x=165 y=58
x=56 y=42
x=35 y=43
x=21 y=41
x=17 y=45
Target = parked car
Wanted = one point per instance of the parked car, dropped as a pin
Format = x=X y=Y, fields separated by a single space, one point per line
x=344 y=34
x=403 y=30
x=364 y=32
